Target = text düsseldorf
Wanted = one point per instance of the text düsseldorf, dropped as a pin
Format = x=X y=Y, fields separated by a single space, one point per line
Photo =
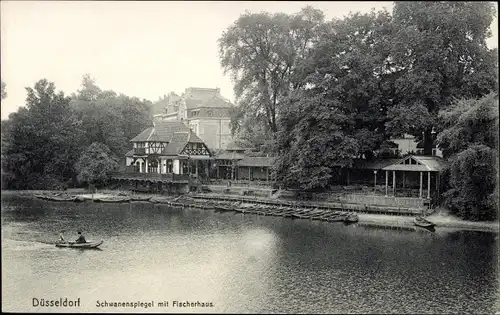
x=56 y=303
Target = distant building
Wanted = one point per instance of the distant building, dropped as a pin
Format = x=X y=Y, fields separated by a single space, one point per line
x=205 y=111
x=407 y=144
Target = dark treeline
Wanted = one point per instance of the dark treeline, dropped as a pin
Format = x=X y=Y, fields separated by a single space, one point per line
x=59 y=141
x=318 y=94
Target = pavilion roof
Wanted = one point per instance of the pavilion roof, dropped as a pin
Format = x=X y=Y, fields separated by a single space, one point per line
x=416 y=163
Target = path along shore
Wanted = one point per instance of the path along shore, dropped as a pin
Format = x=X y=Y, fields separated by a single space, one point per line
x=440 y=217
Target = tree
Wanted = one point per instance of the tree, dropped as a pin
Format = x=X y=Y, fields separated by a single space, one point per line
x=4 y=92
x=109 y=118
x=261 y=51
x=95 y=163
x=340 y=111
x=440 y=54
x=42 y=140
x=470 y=143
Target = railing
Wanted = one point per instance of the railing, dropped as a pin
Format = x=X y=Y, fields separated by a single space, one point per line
x=150 y=176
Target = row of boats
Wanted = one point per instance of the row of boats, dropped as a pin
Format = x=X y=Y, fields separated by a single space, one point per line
x=77 y=198
x=293 y=212
x=262 y=209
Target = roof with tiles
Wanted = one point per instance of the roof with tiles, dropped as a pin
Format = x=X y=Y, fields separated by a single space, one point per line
x=204 y=97
x=176 y=133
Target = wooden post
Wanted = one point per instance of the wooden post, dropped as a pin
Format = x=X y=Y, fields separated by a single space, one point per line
x=249 y=169
x=437 y=184
x=394 y=183
x=421 y=182
x=386 y=182
x=404 y=184
x=196 y=167
x=218 y=177
x=146 y=165
x=347 y=177
x=267 y=174
x=159 y=166
x=428 y=185
x=375 y=177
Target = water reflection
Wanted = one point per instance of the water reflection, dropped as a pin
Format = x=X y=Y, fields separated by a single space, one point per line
x=239 y=262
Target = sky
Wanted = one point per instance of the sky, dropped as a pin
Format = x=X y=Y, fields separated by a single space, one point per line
x=143 y=49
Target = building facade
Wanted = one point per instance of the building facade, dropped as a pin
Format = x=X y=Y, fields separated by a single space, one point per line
x=169 y=147
x=205 y=111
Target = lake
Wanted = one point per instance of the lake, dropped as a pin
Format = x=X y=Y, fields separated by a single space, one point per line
x=231 y=262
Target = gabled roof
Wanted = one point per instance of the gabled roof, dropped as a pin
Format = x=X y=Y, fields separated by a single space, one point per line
x=256 y=161
x=417 y=163
x=176 y=133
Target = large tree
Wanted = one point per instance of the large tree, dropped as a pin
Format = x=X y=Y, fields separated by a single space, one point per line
x=109 y=118
x=339 y=114
x=261 y=51
x=470 y=143
x=440 y=53
x=42 y=140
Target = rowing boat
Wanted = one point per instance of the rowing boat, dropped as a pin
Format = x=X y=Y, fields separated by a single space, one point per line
x=90 y=244
x=351 y=218
x=419 y=221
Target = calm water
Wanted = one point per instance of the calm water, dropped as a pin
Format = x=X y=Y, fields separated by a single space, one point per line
x=240 y=263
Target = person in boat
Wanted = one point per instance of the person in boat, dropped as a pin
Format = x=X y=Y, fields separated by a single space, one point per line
x=81 y=238
x=61 y=238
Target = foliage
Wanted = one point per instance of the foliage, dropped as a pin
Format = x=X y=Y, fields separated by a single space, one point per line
x=262 y=51
x=42 y=140
x=95 y=163
x=339 y=113
x=4 y=92
x=470 y=142
x=439 y=53
x=109 y=118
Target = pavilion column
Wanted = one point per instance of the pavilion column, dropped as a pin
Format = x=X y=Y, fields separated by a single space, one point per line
x=428 y=185
x=218 y=177
x=146 y=165
x=196 y=167
x=394 y=183
x=140 y=167
x=403 y=179
x=267 y=174
x=375 y=178
x=249 y=169
x=421 y=182
x=386 y=182
x=347 y=177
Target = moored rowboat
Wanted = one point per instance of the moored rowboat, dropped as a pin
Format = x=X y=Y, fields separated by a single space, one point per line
x=91 y=244
x=419 y=221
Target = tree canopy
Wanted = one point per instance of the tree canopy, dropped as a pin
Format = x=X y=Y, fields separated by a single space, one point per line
x=42 y=140
x=470 y=143
x=440 y=53
x=261 y=51
x=95 y=163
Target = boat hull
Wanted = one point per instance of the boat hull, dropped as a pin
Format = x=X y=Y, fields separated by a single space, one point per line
x=87 y=245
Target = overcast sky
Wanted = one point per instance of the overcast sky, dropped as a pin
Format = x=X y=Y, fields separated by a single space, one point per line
x=143 y=49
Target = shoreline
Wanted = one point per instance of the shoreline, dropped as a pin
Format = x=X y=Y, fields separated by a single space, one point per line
x=441 y=218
